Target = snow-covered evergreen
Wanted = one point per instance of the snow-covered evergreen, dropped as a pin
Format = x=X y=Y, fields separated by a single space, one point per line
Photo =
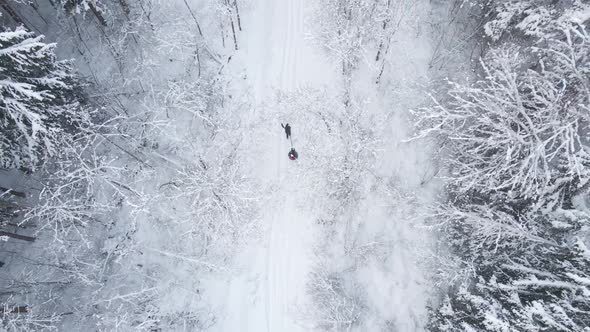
x=40 y=99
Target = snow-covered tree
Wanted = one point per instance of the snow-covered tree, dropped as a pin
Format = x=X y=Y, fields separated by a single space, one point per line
x=532 y=18
x=215 y=201
x=21 y=317
x=161 y=158
x=352 y=30
x=518 y=156
x=521 y=129
x=336 y=303
x=39 y=99
x=543 y=287
x=79 y=174
x=228 y=13
x=76 y=7
x=478 y=231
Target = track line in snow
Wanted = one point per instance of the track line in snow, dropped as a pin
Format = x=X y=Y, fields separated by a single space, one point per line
x=276 y=56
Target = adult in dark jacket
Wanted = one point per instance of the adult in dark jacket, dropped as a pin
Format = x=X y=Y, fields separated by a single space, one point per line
x=287 y=129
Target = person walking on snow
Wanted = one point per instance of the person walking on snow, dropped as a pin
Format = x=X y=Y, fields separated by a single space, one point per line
x=287 y=130
x=292 y=153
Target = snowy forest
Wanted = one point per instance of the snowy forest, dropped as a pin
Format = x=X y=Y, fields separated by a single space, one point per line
x=440 y=183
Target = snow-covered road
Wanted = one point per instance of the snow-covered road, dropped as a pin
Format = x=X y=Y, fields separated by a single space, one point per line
x=276 y=57
x=282 y=59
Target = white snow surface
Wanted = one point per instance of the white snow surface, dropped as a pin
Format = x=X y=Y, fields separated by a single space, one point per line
x=268 y=292
x=275 y=55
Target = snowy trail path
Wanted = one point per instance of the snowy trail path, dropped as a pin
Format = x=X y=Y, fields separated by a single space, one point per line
x=276 y=56
x=270 y=288
x=290 y=234
x=287 y=255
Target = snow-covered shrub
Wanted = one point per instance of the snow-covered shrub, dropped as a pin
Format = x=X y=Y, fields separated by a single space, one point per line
x=39 y=99
x=336 y=306
x=217 y=202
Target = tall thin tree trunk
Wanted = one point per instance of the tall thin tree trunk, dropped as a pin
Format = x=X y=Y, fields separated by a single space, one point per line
x=9 y=205
x=233 y=30
x=15 y=310
x=114 y=52
x=125 y=6
x=18 y=236
x=36 y=8
x=238 y=15
x=13 y=192
x=194 y=18
x=199 y=61
x=126 y=11
x=222 y=33
x=13 y=14
x=97 y=14
x=378 y=80
x=147 y=14
x=22 y=225
x=79 y=33
x=377 y=57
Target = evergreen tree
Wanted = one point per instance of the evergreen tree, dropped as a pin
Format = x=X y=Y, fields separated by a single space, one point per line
x=39 y=99
x=542 y=287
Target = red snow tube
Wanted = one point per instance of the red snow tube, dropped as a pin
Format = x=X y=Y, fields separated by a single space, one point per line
x=293 y=154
